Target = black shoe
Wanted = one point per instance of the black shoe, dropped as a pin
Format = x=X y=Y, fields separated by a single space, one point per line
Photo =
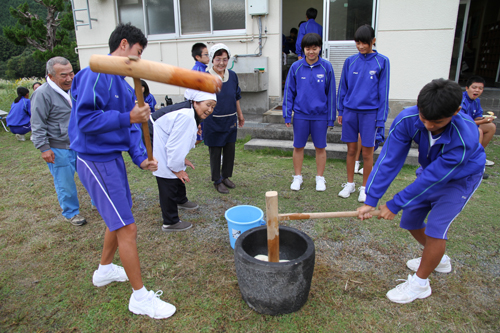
x=228 y=183
x=486 y=176
x=221 y=188
x=179 y=226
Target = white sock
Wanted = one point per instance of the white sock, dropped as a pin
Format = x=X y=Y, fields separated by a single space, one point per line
x=105 y=269
x=140 y=294
x=421 y=282
x=351 y=184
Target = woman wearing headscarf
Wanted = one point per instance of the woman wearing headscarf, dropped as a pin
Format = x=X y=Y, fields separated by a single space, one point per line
x=19 y=116
x=220 y=128
x=174 y=135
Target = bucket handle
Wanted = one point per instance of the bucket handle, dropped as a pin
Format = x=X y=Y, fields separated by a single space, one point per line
x=262 y=222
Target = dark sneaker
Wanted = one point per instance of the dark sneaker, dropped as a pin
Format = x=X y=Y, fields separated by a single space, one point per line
x=221 y=188
x=179 y=226
x=77 y=220
x=188 y=205
x=486 y=176
x=228 y=183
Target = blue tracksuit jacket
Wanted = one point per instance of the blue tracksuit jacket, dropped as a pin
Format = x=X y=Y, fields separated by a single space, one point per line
x=99 y=127
x=455 y=155
x=472 y=107
x=20 y=113
x=310 y=92
x=364 y=85
x=310 y=26
x=199 y=66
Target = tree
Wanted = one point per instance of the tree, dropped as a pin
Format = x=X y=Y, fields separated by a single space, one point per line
x=50 y=37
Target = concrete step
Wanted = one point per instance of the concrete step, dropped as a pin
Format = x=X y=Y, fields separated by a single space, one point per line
x=333 y=150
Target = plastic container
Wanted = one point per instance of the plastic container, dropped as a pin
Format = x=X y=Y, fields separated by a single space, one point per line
x=242 y=218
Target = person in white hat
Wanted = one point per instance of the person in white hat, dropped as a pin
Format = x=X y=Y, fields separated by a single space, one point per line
x=174 y=133
x=220 y=128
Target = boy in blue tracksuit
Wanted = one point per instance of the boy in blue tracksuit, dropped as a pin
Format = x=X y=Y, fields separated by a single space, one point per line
x=104 y=123
x=308 y=27
x=199 y=52
x=471 y=105
x=363 y=104
x=310 y=94
x=452 y=164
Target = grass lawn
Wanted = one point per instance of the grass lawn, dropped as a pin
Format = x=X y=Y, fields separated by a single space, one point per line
x=46 y=264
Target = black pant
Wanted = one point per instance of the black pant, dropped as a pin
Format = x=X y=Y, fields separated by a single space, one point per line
x=227 y=162
x=172 y=192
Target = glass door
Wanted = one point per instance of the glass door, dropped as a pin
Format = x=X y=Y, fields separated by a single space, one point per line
x=458 y=45
x=341 y=20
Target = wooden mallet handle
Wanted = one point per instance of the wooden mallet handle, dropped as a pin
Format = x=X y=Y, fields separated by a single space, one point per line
x=145 y=127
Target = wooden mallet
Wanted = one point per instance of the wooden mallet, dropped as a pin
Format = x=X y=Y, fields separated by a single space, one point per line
x=155 y=71
x=273 y=218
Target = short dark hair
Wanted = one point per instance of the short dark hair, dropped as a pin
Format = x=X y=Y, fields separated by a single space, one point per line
x=475 y=79
x=220 y=52
x=294 y=30
x=146 y=88
x=364 y=34
x=311 y=13
x=21 y=92
x=439 y=99
x=34 y=84
x=311 y=39
x=132 y=34
x=197 y=49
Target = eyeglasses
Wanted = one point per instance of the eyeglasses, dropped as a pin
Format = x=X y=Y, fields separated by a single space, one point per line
x=221 y=59
x=204 y=54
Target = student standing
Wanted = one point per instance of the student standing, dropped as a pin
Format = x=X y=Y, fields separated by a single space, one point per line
x=104 y=123
x=310 y=26
x=452 y=164
x=363 y=104
x=199 y=52
x=310 y=94
x=148 y=96
x=19 y=115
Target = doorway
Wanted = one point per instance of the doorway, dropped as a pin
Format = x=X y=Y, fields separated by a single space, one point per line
x=476 y=48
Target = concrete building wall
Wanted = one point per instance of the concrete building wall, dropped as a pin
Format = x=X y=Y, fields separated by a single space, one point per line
x=417 y=36
x=177 y=52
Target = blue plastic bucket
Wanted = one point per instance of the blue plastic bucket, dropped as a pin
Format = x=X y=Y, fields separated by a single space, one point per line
x=242 y=218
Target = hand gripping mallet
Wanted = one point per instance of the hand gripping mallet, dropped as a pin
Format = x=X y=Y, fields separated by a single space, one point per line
x=155 y=71
x=273 y=218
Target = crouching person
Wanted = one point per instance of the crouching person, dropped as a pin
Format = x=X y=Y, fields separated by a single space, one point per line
x=452 y=164
x=174 y=136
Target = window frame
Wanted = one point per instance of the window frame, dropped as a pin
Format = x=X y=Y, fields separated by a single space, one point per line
x=177 y=21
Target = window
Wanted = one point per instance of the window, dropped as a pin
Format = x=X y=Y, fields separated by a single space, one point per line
x=184 y=17
x=347 y=16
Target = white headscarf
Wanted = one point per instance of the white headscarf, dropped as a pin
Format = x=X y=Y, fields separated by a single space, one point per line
x=198 y=96
x=217 y=47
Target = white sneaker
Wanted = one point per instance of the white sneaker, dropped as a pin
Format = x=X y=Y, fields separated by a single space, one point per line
x=117 y=274
x=409 y=291
x=348 y=189
x=362 y=194
x=320 y=183
x=443 y=267
x=489 y=163
x=20 y=137
x=152 y=306
x=356 y=167
x=297 y=181
x=360 y=171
